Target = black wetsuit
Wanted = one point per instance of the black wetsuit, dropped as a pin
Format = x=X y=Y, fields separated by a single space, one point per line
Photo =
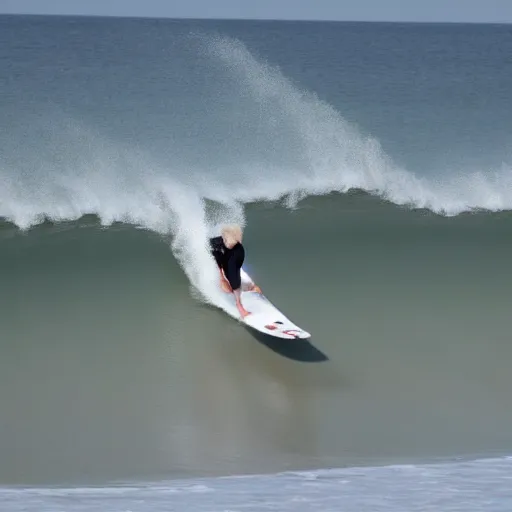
x=229 y=260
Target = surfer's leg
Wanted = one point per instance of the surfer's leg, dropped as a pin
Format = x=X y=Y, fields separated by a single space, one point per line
x=232 y=271
x=243 y=312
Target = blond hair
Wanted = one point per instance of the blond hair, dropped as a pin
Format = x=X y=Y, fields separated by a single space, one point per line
x=231 y=234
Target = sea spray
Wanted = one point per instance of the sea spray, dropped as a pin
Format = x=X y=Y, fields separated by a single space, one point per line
x=335 y=156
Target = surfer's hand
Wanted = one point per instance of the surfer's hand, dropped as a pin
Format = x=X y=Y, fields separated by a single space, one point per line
x=224 y=283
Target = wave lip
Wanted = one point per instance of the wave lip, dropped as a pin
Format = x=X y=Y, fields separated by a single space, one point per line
x=300 y=146
x=335 y=157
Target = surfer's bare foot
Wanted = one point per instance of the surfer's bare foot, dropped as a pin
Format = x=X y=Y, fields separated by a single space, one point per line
x=251 y=287
x=243 y=312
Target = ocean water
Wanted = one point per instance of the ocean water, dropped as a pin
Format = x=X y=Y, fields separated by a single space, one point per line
x=370 y=165
x=396 y=488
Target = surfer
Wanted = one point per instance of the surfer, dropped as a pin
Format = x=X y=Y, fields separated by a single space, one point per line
x=229 y=253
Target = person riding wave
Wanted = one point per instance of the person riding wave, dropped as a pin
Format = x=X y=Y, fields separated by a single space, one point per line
x=229 y=253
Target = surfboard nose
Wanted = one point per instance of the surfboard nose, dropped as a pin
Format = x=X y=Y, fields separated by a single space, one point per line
x=297 y=334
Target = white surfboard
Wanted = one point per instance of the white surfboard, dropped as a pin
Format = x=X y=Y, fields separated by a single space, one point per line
x=265 y=317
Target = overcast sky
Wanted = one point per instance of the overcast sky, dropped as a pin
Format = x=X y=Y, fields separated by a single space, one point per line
x=494 y=11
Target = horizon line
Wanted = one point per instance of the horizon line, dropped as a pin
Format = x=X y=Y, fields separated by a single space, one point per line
x=261 y=19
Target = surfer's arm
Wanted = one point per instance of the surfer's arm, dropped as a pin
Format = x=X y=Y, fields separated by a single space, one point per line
x=216 y=243
x=216 y=246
